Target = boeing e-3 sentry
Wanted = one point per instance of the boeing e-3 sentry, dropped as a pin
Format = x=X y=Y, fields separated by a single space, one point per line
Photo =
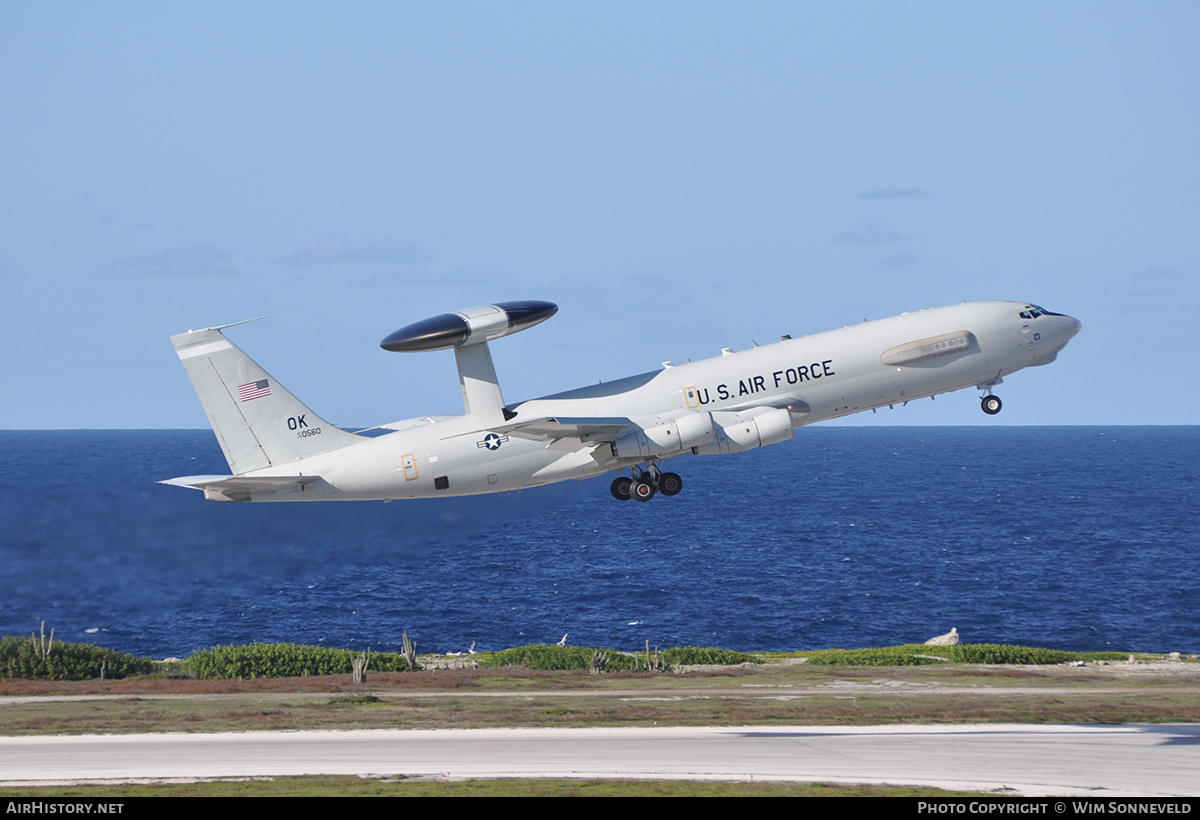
x=280 y=450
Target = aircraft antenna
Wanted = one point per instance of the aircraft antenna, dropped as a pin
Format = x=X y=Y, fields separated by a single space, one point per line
x=231 y=324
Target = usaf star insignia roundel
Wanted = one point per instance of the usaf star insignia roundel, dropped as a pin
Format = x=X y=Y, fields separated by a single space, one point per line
x=492 y=441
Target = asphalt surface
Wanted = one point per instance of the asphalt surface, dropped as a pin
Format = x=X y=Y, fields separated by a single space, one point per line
x=1096 y=761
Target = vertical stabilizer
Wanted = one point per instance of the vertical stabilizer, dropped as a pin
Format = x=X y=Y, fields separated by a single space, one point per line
x=258 y=423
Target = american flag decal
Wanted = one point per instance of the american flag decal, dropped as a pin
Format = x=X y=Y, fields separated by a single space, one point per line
x=254 y=390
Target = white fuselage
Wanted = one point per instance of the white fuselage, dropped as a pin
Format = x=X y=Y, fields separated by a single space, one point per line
x=816 y=377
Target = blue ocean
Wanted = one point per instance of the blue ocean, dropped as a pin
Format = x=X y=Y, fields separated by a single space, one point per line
x=1071 y=537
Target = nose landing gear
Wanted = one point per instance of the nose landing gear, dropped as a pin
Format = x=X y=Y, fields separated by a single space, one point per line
x=645 y=483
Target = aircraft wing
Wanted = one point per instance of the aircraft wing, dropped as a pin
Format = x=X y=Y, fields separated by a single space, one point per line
x=796 y=405
x=585 y=429
x=563 y=433
x=572 y=433
x=575 y=433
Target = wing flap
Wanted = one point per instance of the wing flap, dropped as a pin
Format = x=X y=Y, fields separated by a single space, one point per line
x=601 y=429
x=554 y=429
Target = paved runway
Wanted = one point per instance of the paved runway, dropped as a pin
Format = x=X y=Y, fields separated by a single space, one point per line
x=1031 y=760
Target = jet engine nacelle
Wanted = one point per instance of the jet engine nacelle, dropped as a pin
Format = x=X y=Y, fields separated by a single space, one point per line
x=746 y=430
x=469 y=327
x=670 y=438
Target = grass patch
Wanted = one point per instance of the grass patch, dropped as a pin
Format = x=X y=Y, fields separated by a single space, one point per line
x=922 y=655
x=353 y=700
x=769 y=694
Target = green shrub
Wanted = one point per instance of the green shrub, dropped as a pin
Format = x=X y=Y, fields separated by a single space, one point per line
x=553 y=657
x=22 y=658
x=704 y=655
x=284 y=660
x=1031 y=655
x=913 y=654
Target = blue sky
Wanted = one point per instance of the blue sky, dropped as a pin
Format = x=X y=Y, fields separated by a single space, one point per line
x=677 y=177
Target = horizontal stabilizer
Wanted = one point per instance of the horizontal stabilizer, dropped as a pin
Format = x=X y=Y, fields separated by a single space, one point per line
x=240 y=488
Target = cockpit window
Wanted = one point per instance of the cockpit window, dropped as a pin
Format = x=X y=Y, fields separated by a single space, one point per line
x=1038 y=310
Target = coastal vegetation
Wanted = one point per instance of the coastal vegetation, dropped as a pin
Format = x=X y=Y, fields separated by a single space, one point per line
x=285 y=660
x=554 y=657
x=44 y=658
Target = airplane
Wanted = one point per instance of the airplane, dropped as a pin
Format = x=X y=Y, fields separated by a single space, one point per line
x=280 y=450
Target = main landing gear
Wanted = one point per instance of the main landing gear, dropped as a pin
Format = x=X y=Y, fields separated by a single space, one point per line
x=645 y=483
x=990 y=404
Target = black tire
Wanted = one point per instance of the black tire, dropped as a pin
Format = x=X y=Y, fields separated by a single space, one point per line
x=620 y=488
x=670 y=484
x=642 y=490
x=991 y=405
